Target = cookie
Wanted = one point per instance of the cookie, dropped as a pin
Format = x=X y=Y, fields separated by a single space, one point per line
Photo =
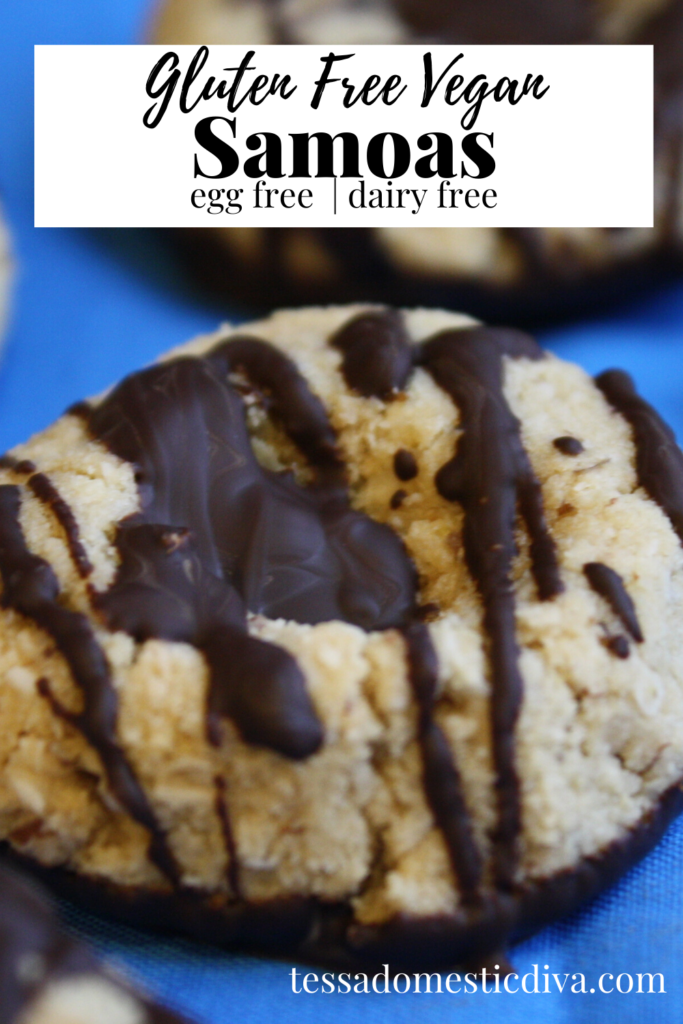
x=352 y=634
x=528 y=274
x=49 y=977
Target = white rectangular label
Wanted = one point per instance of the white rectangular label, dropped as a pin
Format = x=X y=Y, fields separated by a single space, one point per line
x=348 y=136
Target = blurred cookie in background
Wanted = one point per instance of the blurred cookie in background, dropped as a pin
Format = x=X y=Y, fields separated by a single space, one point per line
x=525 y=274
x=49 y=977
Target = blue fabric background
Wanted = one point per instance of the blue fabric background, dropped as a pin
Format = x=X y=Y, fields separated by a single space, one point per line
x=90 y=306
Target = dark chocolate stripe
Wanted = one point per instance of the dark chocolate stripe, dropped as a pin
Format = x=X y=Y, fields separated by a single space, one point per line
x=659 y=460
x=316 y=930
x=24 y=466
x=568 y=445
x=81 y=410
x=491 y=477
x=45 y=491
x=31 y=588
x=377 y=355
x=618 y=646
x=405 y=465
x=442 y=782
x=223 y=813
x=377 y=361
x=609 y=584
x=286 y=395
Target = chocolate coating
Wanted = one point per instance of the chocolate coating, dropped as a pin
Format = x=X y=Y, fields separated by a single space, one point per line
x=568 y=445
x=377 y=356
x=659 y=460
x=324 y=933
x=619 y=647
x=442 y=783
x=610 y=585
x=405 y=465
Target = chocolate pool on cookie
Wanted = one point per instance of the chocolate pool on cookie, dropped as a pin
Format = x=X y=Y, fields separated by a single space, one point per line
x=351 y=635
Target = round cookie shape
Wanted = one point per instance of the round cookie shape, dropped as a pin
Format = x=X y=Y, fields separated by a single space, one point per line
x=250 y=695
x=520 y=275
x=48 y=977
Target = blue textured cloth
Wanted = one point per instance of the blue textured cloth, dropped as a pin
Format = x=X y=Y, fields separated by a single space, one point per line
x=90 y=306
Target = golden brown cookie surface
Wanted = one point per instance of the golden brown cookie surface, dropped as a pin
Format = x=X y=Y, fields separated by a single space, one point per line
x=341 y=620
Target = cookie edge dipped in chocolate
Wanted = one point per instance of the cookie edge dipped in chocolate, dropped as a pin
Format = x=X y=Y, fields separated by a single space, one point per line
x=460 y=361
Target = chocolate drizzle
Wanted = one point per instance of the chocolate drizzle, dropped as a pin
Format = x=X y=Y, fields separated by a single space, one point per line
x=31 y=588
x=377 y=355
x=618 y=646
x=568 y=445
x=442 y=782
x=233 y=872
x=405 y=465
x=491 y=477
x=45 y=491
x=609 y=584
x=24 y=466
x=659 y=460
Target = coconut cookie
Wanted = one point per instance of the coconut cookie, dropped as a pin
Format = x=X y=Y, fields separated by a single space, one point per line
x=524 y=273
x=48 y=977
x=351 y=634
